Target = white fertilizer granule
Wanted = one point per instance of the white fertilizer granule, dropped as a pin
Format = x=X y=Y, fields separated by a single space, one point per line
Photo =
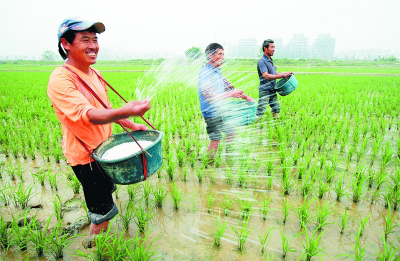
x=125 y=149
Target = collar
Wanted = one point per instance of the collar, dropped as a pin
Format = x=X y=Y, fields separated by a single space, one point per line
x=268 y=59
x=209 y=66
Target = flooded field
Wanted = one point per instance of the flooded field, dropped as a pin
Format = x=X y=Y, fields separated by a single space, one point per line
x=322 y=182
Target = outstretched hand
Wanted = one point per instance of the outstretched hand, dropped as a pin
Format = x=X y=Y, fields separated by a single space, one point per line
x=133 y=126
x=136 y=108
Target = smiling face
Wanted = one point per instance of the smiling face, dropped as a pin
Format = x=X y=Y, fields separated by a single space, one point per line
x=217 y=58
x=83 y=51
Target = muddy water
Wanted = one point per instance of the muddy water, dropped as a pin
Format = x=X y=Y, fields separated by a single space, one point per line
x=188 y=233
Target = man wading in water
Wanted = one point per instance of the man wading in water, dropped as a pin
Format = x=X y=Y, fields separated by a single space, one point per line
x=84 y=121
x=213 y=89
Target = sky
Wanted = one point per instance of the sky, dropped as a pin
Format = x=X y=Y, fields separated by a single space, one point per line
x=151 y=27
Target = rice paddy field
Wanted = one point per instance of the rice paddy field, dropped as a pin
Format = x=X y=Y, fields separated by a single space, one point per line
x=320 y=183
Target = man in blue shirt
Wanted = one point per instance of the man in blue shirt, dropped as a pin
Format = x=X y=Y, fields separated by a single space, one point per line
x=267 y=74
x=213 y=91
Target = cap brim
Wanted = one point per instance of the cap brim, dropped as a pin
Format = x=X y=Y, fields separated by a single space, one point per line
x=86 y=25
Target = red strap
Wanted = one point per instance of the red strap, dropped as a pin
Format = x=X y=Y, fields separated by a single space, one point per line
x=144 y=161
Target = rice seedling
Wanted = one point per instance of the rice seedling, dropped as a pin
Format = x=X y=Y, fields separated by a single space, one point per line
x=38 y=235
x=20 y=196
x=286 y=244
x=269 y=167
x=269 y=182
x=185 y=173
x=323 y=212
x=359 y=251
x=343 y=221
x=264 y=209
x=133 y=192
x=226 y=204
x=357 y=186
x=147 y=188
x=126 y=214
x=220 y=227
x=311 y=245
x=306 y=185
x=287 y=184
x=286 y=207
x=241 y=177
x=5 y=235
x=159 y=195
x=40 y=176
x=57 y=241
x=210 y=201
x=85 y=208
x=102 y=243
x=52 y=178
x=246 y=207
x=57 y=204
x=176 y=195
x=5 y=195
x=242 y=233
x=117 y=247
x=303 y=212
x=387 y=154
x=330 y=174
x=171 y=169
x=142 y=216
x=20 y=233
x=388 y=252
x=363 y=222
x=389 y=223
x=265 y=239
x=140 y=249
x=74 y=184
x=323 y=187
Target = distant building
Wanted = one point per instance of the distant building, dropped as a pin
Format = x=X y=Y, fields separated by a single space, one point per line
x=298 y=47
x=323 y=47
x=247 y=48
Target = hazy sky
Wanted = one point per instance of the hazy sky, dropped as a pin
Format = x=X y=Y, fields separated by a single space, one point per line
x=28 y=28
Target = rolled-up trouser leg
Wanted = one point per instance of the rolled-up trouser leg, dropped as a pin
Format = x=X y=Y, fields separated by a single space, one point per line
x=98 y=192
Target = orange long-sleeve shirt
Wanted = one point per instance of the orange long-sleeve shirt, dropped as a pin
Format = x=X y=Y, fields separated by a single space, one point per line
x=71 y=102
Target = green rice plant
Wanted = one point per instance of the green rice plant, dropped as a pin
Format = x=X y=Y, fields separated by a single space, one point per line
x=52 y=178
x=85 y=208
x=117 y=247
x=387 y=154
x=374 y=196
x=286 y=244
x=143 y=216
x=226 y=204
x=265 y=239
x=5 y=195
x=19 y=234
x=5 y=234
x=360 y=151
x=38 y=235
x=102 y=243
x=306 y=185
x=212 y=177
x=228 y=175
x=57 y=241
x=359 y=251
x=219 y=231
x=388 y=252
x=363 y=222
x=323 y=212
x=185 y=173
x=147 y=188
x=126 y=215
x=176 y=195
x=171 y=169
x=287 y=184
x=395 y=180
x=304 y=212
x=40 y=176
x=20 y=196
x=311 y=245
x=58 y=210
x=133 y=192
x=380 y=179
x=192 y=159
x=375 y=149
x=11 y=171
x=323 y=187
x=343 y=221
x=181 y=156
x=200 y=174
x=241 y=177
x=246 y=208
x=389 y=223
x=242 y=233
x=159 y=195
x=140 y=249
x=210 y=201
x=330 y=174
x=357 y=186
x=285 y=208
x=269 y=182
x=75 y=184
x=264 y=209
x=269 y=167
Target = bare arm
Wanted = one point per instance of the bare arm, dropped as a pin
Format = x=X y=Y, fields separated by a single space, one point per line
x=268 y=76
x=104 y=116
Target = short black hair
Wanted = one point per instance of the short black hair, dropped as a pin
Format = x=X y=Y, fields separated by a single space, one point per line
x=266 y=44
x=212 y=48
x=70 y=37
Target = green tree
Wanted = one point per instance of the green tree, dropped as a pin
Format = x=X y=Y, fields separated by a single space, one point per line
x=49 y=56
x=193 y=53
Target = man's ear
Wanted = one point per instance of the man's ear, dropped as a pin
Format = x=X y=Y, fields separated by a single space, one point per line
x=65 y=44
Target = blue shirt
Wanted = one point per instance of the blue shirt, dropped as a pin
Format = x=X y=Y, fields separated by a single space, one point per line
x=266 y=64
x=211 y=83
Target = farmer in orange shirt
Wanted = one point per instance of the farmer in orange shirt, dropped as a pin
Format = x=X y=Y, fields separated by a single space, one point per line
x=84 y=121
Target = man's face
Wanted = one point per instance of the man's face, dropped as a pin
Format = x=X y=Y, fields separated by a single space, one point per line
x=217 y=58
x=270 y=50
x=84 y=48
